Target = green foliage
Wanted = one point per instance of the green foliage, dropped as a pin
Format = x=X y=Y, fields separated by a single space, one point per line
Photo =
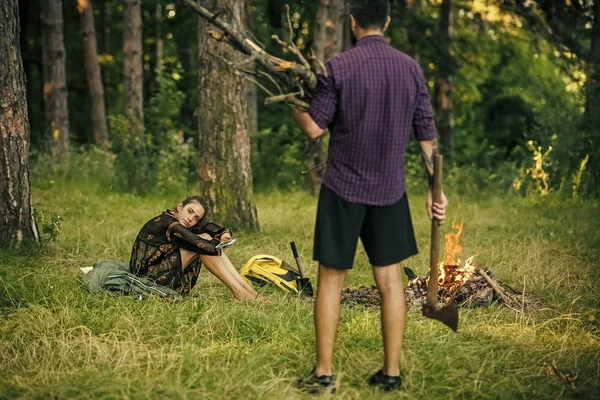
x=49 y=226
x=166 y=100
x=176 y=165
x=279 y=156
x=90 y=164
x=534 y=177
x=510 y=86
x=133 y=163
x=159 y=159
x=578 y=176
x=513 y=82
x=175 y=157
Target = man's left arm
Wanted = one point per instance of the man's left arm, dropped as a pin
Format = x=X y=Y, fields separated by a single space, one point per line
x=425 y=133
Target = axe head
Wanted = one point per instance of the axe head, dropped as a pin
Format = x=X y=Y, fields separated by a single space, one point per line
x=447 y=315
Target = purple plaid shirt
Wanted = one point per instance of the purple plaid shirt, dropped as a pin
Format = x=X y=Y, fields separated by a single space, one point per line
x=370 y=99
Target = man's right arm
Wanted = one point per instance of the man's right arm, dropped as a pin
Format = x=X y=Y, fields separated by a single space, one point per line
x=307 y=124
x=429 y=150
x=428 y=153
x=323 y=106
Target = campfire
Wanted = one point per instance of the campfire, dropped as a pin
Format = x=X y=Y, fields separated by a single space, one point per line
x=466 y=284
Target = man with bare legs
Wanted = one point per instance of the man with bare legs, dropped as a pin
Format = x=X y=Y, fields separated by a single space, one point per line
x=369 y=98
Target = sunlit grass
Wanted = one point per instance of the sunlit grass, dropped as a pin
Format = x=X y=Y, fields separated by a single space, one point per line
x=56 y=340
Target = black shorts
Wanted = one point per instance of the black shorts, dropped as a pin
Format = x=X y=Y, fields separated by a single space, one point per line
x=385 y=231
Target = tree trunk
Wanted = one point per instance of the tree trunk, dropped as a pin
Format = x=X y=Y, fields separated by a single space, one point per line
x=593 y=100
x=346 y=39
x=252 y=89
x=24 y=15
x=414 y=31
x=55 y=85
x=102 y=28
x=276 y=13
x=223 y=141
x=444 y=87
x=328 y=35
x=328 y=42
x=186 y=57
x=104 y=40
x=133 y=93
x=16 y=214
x=159 y=41
x=92 y=72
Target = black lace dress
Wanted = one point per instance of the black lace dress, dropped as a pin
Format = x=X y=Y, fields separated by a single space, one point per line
x=155 y=254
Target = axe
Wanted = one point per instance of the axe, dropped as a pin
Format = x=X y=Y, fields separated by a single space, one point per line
x=448 y=314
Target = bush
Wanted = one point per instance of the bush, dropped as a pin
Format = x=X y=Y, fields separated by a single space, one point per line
x=158 y=159
x=89 y=164
x=134 y=169
x=279 y=155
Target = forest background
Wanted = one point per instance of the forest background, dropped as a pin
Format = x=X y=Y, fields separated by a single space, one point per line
x=518 y=73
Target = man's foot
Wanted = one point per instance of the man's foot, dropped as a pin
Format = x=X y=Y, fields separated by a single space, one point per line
x=385 y=382
x=317 y=384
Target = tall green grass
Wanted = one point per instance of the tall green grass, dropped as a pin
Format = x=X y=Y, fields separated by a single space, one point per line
x=58 y=341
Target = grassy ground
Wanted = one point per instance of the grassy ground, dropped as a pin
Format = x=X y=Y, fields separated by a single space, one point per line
x=57 y=341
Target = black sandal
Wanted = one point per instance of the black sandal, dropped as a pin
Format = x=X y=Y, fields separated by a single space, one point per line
x=317 y=384
x=385 y=382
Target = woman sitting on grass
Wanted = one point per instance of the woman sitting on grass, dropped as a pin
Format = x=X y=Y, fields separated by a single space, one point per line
x=171 y=248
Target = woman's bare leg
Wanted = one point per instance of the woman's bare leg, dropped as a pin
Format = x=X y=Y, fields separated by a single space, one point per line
x=187 y=257
x=222 y=268
x=218 y=268
x=234 y=272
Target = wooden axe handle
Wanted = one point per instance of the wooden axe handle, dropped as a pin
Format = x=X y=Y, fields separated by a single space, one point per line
x=434 y=259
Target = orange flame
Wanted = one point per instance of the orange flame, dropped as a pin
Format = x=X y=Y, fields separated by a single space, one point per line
x=451 y=271
x=442 y=274
x=454 y=250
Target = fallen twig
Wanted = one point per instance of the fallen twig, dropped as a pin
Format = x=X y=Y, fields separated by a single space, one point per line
x=494 y=285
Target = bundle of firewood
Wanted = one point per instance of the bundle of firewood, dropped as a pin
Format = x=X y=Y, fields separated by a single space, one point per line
x=284 y=81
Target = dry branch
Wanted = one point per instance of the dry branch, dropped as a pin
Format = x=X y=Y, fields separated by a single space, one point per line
x=494 y=286
x=294 y=80
x=284 y=98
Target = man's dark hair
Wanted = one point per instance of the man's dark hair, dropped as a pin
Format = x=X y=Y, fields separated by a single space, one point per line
x=369 y=13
